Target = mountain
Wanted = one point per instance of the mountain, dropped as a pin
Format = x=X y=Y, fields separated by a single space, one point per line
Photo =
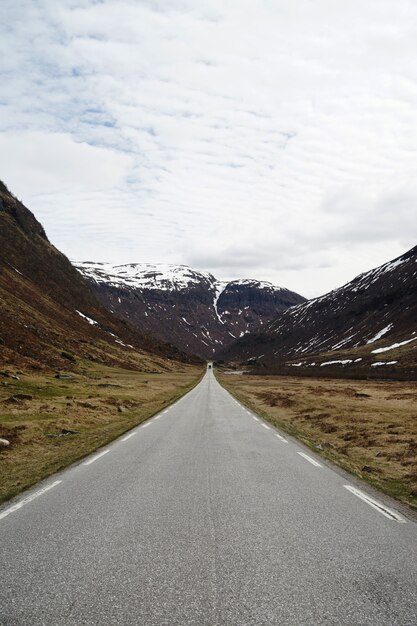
x=49 y=317
x=367 y=327
x=192 y=310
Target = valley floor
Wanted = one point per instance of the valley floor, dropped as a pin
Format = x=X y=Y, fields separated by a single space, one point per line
x=367 y=427
x=52 y=422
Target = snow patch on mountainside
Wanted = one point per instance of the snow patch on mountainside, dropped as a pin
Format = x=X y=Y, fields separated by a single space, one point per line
x=380 y=334
x=219 y=287
x=393 y=346
x=378 y=363
x=87 y=319
x=161 y=276
x=259 y=284
x=339 y=362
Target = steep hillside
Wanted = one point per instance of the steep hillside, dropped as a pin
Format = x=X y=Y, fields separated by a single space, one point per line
x=191 y=309
x=48 y=315
x=367 y=327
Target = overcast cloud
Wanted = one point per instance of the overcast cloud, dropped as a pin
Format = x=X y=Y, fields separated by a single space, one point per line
x=272 y=139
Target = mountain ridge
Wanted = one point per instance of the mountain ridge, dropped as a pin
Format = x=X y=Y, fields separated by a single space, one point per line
x=49 y=317
x=345 y=328
x=192 y=308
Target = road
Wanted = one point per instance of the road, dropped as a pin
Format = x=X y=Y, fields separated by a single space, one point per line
x=204 y=516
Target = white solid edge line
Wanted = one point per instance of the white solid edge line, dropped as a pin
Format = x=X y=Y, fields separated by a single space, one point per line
x=281 y=438
x=129 y=436
x=28 y=499
x=378 y=506
x=309 y=459
x=265 y=426
x=97 y=456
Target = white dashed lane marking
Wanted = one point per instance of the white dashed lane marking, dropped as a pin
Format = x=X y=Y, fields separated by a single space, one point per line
x=381 y=508
x=309 y=459
x=94 y=458
x=28 y=499
x=281 y=438
x=128 y=436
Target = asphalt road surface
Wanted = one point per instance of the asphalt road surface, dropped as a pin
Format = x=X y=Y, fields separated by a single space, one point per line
x=205 y=516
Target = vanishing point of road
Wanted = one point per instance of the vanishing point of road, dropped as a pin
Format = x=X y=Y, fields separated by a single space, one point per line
x=205 y=516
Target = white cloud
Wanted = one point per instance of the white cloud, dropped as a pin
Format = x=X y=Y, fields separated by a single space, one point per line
x=36 y=162
x=267 y=139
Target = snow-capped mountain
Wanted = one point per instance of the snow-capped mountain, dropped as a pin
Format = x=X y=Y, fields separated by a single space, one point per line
x=188 y=308
x=369 y=323
x=160 y=276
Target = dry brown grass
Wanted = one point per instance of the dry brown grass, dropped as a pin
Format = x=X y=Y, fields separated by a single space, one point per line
x=367 y=427
x=88 y=404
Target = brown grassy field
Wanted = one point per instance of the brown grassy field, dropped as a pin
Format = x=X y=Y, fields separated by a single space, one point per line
x=367 y=427
x=52 y=422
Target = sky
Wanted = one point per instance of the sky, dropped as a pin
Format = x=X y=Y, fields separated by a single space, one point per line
x=267 y=139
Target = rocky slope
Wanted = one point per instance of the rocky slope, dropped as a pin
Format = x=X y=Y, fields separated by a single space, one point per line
x=191 y=309
x=367 y=327
x=48 y=315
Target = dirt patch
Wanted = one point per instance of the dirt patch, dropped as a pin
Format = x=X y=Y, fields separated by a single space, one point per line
x=275 y=399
